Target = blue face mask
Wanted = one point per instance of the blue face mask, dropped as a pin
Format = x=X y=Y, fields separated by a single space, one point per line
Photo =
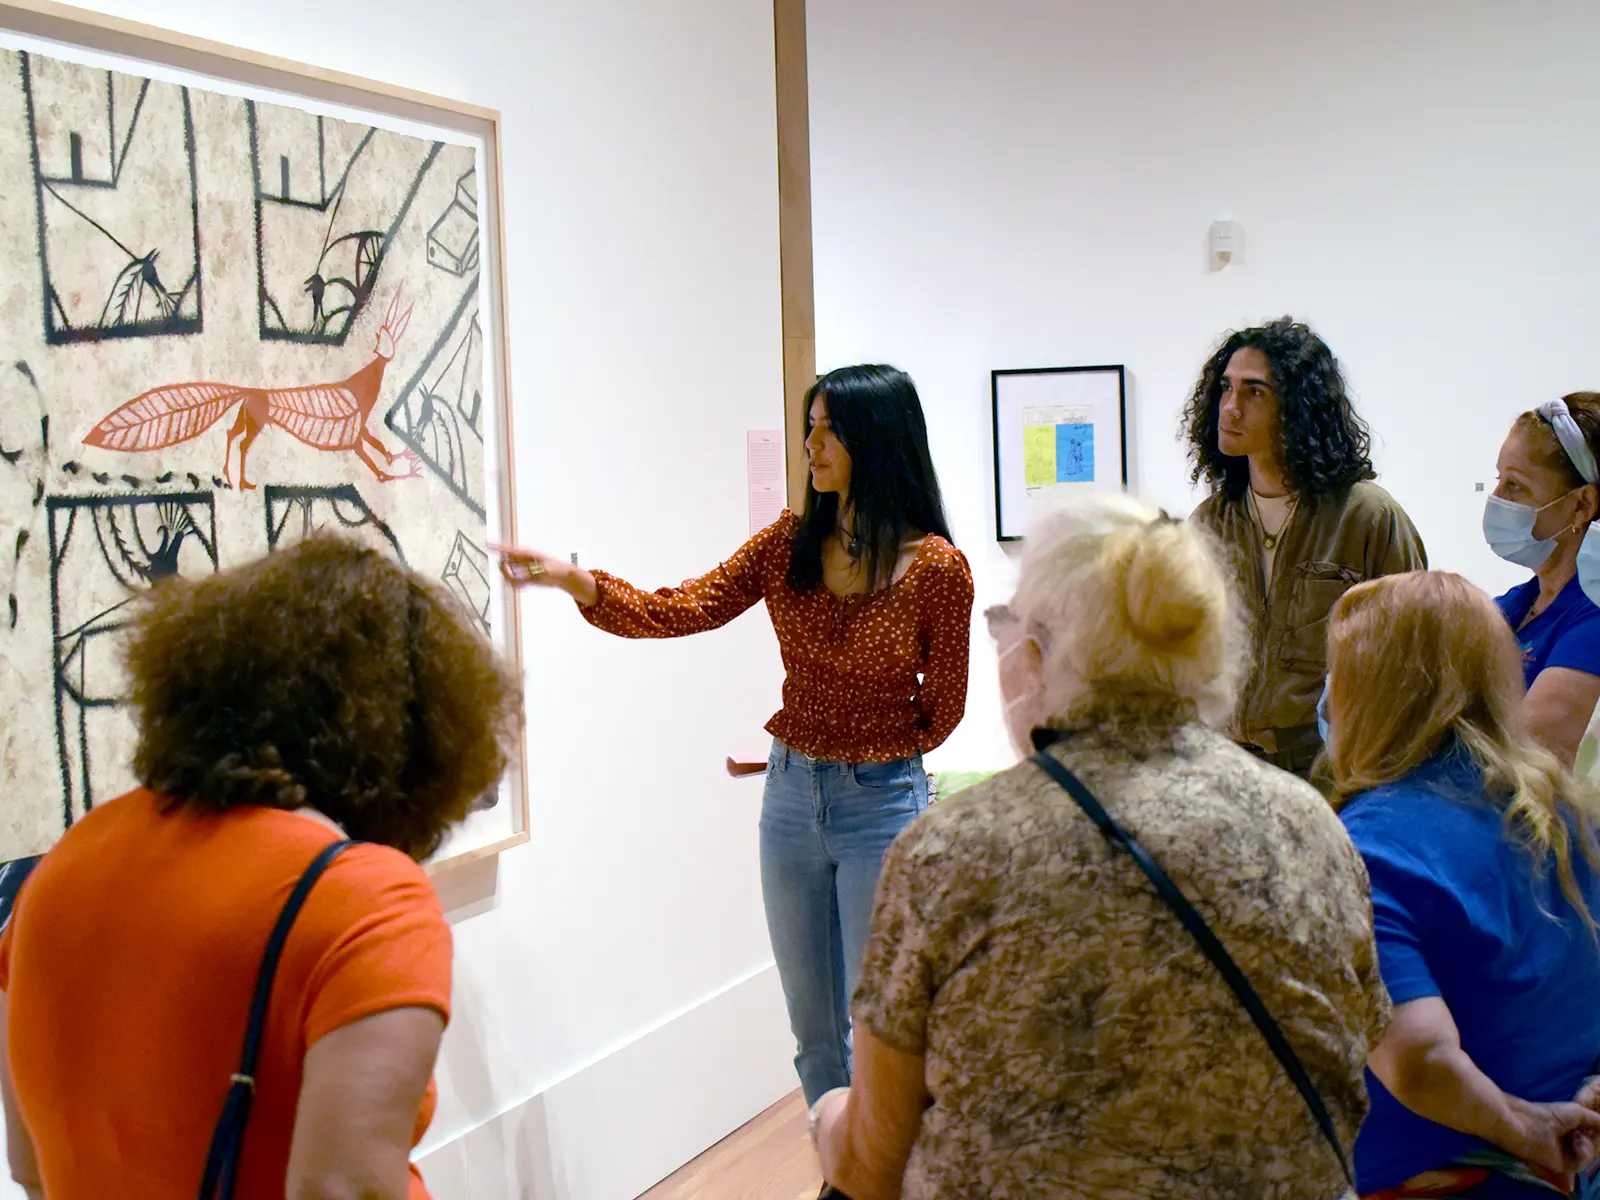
x=1322 y=705
x=1508 y=528
x=1589 y=564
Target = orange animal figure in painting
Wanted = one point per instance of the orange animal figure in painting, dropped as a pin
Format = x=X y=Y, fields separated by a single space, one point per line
x=326 y=416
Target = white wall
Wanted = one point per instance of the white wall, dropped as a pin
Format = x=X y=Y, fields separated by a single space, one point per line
x=616 y=1010
x=1029 y=183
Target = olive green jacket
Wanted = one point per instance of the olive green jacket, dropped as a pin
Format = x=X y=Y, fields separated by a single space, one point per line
x=1326 y=548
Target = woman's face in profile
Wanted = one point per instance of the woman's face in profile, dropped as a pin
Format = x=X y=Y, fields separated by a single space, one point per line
x=829 y=460
x=1523 y=478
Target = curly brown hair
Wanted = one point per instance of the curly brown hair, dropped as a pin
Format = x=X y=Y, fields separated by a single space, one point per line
x=324 y=674
x=1326 y=446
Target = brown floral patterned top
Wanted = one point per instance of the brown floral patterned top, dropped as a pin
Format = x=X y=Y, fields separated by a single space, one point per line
x=867 y=678
x=1077 y=1043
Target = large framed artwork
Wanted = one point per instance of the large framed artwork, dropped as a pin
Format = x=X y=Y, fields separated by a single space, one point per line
x=1056 y=430
x=243 y=300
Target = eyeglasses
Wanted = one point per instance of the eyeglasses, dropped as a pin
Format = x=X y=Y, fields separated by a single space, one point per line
x=1008 y=629
x=1001 y=620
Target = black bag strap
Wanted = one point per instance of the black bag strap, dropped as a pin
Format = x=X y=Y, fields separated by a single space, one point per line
x=222 y=1163
x=1209 y=944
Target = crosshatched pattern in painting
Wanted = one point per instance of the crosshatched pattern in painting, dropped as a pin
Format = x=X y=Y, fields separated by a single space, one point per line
x=104 y=552
x=439 y=415
x=113 y=161
x=466 y=574
x=329 y=197
x=226 y=324
x=294 y=512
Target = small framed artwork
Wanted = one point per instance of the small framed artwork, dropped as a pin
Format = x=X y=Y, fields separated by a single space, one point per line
x=1056 y=429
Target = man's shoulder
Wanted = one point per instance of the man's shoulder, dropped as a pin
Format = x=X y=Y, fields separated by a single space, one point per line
x=1368 y=499
x=1365 y=508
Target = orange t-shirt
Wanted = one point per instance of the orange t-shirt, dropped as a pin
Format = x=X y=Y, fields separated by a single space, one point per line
x=129 y=965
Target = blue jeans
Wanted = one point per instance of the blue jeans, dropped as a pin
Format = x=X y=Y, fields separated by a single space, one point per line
x=824 y=829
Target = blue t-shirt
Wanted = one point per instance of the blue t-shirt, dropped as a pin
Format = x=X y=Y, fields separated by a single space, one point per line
x=1567 y=634
x=1461 y=914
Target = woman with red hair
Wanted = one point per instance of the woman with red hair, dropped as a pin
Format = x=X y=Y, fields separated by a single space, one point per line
x=1482 y=853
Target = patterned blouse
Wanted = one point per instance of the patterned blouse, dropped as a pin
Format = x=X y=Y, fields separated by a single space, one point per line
x=1076 y=1042
x=868 y=678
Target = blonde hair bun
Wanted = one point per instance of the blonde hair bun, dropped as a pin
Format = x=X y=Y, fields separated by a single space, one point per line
x=1170 y=588
x=1131 y=608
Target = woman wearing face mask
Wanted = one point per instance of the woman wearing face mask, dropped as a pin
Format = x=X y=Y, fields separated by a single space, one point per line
x=1033 y=1020
x=1540 y=517
x=872 y=606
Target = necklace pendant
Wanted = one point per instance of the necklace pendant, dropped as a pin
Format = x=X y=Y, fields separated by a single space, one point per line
x=1270 y=540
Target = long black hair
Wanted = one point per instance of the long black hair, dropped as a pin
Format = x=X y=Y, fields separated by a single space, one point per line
x=894 y=493
x=1326 y=447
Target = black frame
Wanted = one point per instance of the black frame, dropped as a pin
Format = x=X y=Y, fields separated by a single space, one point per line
x=994 y=409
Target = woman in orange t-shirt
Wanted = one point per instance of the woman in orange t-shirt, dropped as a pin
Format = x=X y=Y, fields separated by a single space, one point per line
x=321 y=693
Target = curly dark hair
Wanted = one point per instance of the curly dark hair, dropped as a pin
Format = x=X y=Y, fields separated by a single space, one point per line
x=324 y=674
x=1325 y=446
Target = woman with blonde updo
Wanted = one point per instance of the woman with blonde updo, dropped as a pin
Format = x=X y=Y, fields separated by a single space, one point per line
x=1033 y=1020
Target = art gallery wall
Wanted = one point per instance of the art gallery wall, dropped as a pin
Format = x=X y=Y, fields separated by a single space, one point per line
x=1029 y=183
x=616 y=1010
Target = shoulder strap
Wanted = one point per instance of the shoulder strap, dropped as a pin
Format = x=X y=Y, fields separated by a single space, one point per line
x=1215 y=952
x=222 y=1162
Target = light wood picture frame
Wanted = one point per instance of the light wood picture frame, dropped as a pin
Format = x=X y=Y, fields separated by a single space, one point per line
x=188 y=212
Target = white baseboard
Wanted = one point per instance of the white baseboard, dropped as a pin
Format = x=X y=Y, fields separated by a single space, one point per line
x=628 y=1121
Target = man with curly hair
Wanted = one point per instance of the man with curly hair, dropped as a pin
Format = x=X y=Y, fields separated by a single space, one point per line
x=1271 y=429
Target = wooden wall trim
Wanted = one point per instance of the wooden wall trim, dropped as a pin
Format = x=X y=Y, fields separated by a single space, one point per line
x=794 y=235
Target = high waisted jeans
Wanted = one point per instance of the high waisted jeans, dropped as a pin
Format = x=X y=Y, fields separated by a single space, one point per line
x=824 y=829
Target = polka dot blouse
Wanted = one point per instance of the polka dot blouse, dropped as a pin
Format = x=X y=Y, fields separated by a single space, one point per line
x=868 y=678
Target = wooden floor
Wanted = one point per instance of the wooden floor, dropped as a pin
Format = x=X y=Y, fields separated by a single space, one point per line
x=769 y=1159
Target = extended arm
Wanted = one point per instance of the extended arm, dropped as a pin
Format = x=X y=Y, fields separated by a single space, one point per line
x=1421 y=1062
x=616 y=606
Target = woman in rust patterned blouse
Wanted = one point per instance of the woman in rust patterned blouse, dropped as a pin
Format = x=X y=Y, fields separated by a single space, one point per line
x=1033 y=1021
x=872 y=605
